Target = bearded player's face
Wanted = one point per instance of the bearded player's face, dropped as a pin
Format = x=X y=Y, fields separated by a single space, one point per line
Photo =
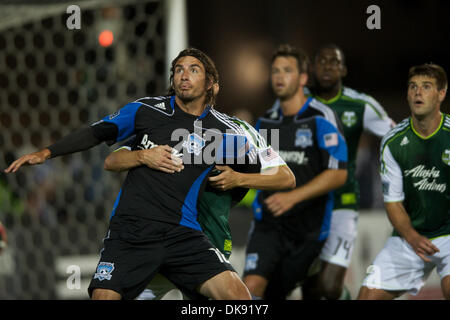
x=285 y=77
x=189 y=80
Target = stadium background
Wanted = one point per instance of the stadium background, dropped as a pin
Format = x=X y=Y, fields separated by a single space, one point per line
x=53 y=80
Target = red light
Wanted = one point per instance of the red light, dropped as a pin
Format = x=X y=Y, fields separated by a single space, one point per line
x=105 y=38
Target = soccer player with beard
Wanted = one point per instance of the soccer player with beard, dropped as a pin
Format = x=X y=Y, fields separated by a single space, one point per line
x=154 y=225
x=221 y=193
x=357 y=112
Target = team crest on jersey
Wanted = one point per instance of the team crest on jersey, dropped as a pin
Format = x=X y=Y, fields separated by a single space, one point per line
x=251 y=261
x=303 y=138
x=194 y=144
x=104 y=270
x=446 y=157
x=348 y=118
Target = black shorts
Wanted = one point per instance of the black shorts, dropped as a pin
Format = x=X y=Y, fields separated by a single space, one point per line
x=283 y=261
x=184 y=255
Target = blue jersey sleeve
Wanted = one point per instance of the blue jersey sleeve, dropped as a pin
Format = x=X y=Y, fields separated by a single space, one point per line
x=331 y=140
x=124 y=119
x=232 y=146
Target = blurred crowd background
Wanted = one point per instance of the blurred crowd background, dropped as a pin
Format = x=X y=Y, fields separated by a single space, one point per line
x=54 y=80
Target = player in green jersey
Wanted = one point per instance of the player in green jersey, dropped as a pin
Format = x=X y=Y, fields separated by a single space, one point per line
x=358 y=112
x=415 y=173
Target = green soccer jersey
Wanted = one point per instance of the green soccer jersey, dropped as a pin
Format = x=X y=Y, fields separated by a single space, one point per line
x=214 y=209
x=358 y=112
x=214 y=206
x=416 y=171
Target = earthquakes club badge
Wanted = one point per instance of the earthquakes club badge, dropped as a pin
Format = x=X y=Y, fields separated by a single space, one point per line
x=303 y=138
x=104 y=270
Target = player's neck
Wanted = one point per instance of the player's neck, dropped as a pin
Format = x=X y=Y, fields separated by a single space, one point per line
x=292 y=105
x=327 y=94
x=194 y=107
x=426 y=126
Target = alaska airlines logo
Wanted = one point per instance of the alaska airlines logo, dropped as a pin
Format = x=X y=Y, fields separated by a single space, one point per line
x=349 y=118
x=425 y=174
x=297 y=157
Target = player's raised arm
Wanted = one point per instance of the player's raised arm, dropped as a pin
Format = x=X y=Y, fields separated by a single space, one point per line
x=29 y=159
x=112 y=128
x=78 y=140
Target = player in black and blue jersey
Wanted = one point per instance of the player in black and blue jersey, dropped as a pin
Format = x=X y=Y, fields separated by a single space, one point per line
x=154 y=226
x=290 y=227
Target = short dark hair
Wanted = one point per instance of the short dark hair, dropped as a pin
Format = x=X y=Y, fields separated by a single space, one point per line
x=212 y=75
x=287 y=50
x=331 y=46
x=430 y=70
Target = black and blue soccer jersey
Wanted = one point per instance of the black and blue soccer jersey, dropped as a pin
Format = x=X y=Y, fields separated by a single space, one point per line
x=310 y=142
x=201 y=142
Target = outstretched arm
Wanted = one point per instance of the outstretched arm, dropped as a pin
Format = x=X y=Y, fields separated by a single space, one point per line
x=78 y=140
x=116 y=127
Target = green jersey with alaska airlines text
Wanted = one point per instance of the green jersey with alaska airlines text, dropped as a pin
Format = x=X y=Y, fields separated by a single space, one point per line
x=357 y=112
x=416 y=170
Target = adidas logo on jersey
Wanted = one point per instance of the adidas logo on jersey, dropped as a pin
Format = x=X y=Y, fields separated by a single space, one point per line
x=405 y=141
x=160 y=106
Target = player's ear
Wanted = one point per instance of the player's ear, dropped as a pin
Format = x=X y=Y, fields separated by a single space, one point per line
x=442 y=93
x=216 y=88
x=343 y=71
x=303 y=79
x=209 y=83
